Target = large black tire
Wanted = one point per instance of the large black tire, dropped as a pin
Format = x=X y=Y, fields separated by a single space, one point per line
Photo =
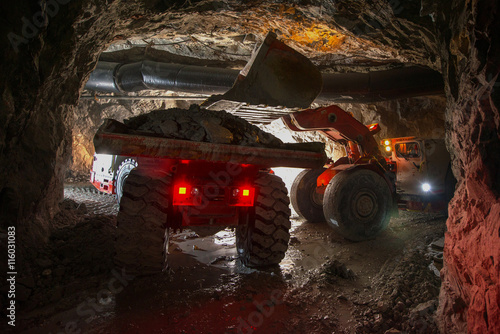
x=126 y=166
x=263 y=233
x=142 y=237
x=305 y=200
x=357 y=204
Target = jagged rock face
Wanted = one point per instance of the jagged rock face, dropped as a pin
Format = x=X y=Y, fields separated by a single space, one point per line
x=470 y=294
x=44 y=68
x=420 y=117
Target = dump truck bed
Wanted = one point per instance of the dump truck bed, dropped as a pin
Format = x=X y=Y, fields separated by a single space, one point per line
x=111 y=139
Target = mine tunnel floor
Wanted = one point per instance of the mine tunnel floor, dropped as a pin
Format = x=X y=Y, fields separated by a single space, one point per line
x=325 y=284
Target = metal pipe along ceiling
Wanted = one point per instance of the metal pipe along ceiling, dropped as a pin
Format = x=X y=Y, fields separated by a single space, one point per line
x=337 y=87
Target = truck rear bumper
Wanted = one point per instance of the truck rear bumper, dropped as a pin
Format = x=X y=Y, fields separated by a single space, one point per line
x=212 y=215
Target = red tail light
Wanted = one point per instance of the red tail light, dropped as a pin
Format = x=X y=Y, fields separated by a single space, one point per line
x=241 y=196
x=185 y=194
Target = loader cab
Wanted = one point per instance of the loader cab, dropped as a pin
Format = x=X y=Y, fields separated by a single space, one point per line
x=408 y=150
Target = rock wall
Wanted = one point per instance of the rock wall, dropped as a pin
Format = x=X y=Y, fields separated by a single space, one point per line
x=88 y=116
x=420 y=116
x=470 y=293
x=49 y=48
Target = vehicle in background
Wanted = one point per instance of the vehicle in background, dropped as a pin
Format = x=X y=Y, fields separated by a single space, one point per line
x=109 y=173
x=424 y=180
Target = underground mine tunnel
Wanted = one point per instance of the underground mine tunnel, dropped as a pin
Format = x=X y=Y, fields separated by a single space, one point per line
x=274 y=150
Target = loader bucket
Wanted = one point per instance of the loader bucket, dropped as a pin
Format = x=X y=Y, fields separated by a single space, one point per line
x=277 y=75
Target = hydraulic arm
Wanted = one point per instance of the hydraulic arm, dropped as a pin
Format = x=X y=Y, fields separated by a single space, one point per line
x=339 y=126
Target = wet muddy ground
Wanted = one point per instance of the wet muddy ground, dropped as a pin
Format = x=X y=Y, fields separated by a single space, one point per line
x=325 y=284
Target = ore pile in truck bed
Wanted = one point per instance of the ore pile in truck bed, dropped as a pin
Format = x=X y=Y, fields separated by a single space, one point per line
x=202 y=125
x=197 y=124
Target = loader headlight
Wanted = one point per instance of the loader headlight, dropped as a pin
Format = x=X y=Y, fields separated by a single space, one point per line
x=387 y=145
x=426 y=187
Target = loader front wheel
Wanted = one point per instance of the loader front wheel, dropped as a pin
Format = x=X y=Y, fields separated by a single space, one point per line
x=142 y=237
x=357 y=204
x=263 y=232
x=305 y=200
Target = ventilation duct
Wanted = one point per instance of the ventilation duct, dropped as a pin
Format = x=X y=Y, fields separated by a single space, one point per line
x=352 y=87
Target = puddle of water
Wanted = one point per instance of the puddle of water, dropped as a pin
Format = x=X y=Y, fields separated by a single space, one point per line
x=225 y=237
x=217 y=250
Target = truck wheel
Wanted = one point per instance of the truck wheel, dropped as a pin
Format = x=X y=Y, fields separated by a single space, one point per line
x=357 y=204
x=305 y=200
x=263 y=234
x=123 y=171
x=142 y=237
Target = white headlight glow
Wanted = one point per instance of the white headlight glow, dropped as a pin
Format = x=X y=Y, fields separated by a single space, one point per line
x=426 y=187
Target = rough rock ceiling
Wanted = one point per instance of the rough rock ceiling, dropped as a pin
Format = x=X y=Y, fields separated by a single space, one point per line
x=337 y=36
x=341 y=36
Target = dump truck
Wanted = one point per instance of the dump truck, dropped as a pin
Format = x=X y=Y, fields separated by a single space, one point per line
x=167 y=183
x=174 y=184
